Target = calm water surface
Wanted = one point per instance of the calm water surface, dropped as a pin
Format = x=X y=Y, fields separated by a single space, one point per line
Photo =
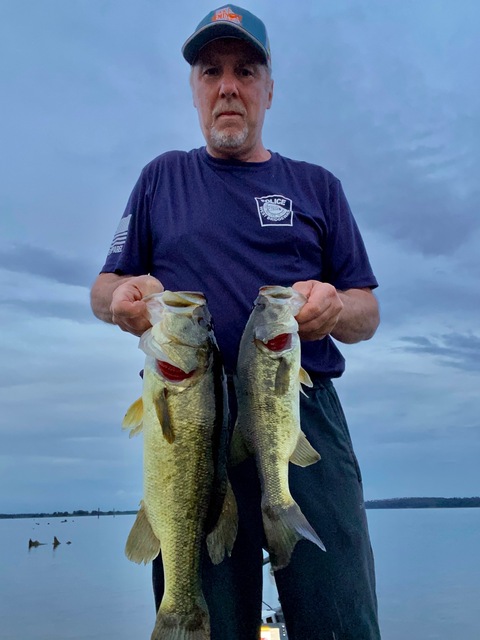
x=428 y=573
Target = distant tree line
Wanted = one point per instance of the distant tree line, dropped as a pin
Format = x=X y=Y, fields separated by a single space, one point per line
x=390 y=503
x=422 y=503
x=68 y=514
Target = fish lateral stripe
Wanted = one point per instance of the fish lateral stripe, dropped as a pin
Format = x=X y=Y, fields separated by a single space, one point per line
x=172 y=373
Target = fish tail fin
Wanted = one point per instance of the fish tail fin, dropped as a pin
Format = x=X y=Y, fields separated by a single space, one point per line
x=284 y=527
x=142 y=544
x=222 y=538
x=193 y=625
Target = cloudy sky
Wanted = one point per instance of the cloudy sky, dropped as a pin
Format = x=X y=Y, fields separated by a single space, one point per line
x=384 y=94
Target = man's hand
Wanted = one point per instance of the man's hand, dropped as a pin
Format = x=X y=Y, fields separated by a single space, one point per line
x=349 y=316
x=128 y=309
x=119 y=300
x=319 y=315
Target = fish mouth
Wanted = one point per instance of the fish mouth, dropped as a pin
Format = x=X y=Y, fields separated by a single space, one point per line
x=286 y=300
x=276 y=293
x=281 y=295
x=176 y=300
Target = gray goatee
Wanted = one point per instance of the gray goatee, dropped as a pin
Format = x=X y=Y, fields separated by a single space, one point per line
x=228 y=139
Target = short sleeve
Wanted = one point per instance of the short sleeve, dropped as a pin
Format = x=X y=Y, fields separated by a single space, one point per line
x=131 y=250
x=346 y=263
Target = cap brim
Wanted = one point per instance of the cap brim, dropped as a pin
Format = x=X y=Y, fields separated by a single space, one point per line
x=210 y=32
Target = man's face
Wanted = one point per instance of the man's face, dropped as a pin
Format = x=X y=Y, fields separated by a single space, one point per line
x=231 y=90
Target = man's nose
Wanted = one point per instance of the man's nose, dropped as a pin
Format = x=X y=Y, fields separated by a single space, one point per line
x=228 y=85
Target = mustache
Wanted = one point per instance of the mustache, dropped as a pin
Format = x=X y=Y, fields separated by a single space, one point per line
x=221 y=108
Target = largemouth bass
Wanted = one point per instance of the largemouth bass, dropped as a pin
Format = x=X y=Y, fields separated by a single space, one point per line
x=183 y=413
x=268 y=384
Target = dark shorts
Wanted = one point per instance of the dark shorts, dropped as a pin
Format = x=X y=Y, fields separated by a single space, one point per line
x=324 y=595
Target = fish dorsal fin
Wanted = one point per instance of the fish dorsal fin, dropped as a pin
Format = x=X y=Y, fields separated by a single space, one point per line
x=163 y=415
x=304 y=454
x=133 y=419
x=222 y=538
x=142 y=544
x=304 y=379
x=282 y=378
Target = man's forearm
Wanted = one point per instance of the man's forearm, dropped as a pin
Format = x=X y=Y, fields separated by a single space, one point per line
x=359 y=317
x=102 y=292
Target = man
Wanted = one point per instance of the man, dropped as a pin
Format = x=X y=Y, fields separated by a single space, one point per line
x=225 y=220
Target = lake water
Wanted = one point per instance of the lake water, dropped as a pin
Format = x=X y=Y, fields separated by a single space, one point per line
x=428 y=573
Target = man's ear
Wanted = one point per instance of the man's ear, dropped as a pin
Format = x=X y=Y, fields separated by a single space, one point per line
x=191 y=87
x=270 y=94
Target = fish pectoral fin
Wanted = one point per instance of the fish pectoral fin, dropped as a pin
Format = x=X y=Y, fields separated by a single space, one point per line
x=305 y=380
x=222 y=538
x=142 y=544
x=282 y=378
x=133 y=419
x=238 y=448
x=304 y=454
x=163 y=415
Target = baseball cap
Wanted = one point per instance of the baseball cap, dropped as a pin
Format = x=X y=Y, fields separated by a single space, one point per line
x=228 y=21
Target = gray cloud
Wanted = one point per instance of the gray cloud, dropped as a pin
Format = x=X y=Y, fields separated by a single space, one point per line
x=403 y=143
x=77 y=311
x=26 y=258
x=461 y=351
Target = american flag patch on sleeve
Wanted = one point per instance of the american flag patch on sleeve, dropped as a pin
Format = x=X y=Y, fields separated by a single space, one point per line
x=120 y=236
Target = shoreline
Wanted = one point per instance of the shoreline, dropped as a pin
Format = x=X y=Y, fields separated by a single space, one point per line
x=389 y=503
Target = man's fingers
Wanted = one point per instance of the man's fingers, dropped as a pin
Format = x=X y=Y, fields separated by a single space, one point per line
x=319 y=315
x=128 y=309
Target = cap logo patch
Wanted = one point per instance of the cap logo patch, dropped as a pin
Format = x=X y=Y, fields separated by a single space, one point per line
x=275 y=211
x=227 y=14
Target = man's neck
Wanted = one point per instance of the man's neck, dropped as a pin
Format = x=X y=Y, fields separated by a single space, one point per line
x=254 y=155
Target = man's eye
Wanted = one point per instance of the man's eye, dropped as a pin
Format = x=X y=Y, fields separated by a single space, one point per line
x=245 y=72
x=211 y=71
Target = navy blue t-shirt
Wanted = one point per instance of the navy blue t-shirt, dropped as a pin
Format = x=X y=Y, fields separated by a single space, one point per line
x=226 y=228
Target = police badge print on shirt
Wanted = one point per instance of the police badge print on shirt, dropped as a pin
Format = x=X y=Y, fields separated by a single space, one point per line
x=275 y=211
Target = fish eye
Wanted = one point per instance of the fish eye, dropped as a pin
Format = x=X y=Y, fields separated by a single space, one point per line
x=205 y=324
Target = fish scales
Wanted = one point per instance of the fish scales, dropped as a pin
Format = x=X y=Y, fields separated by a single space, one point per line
x=181 y=473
